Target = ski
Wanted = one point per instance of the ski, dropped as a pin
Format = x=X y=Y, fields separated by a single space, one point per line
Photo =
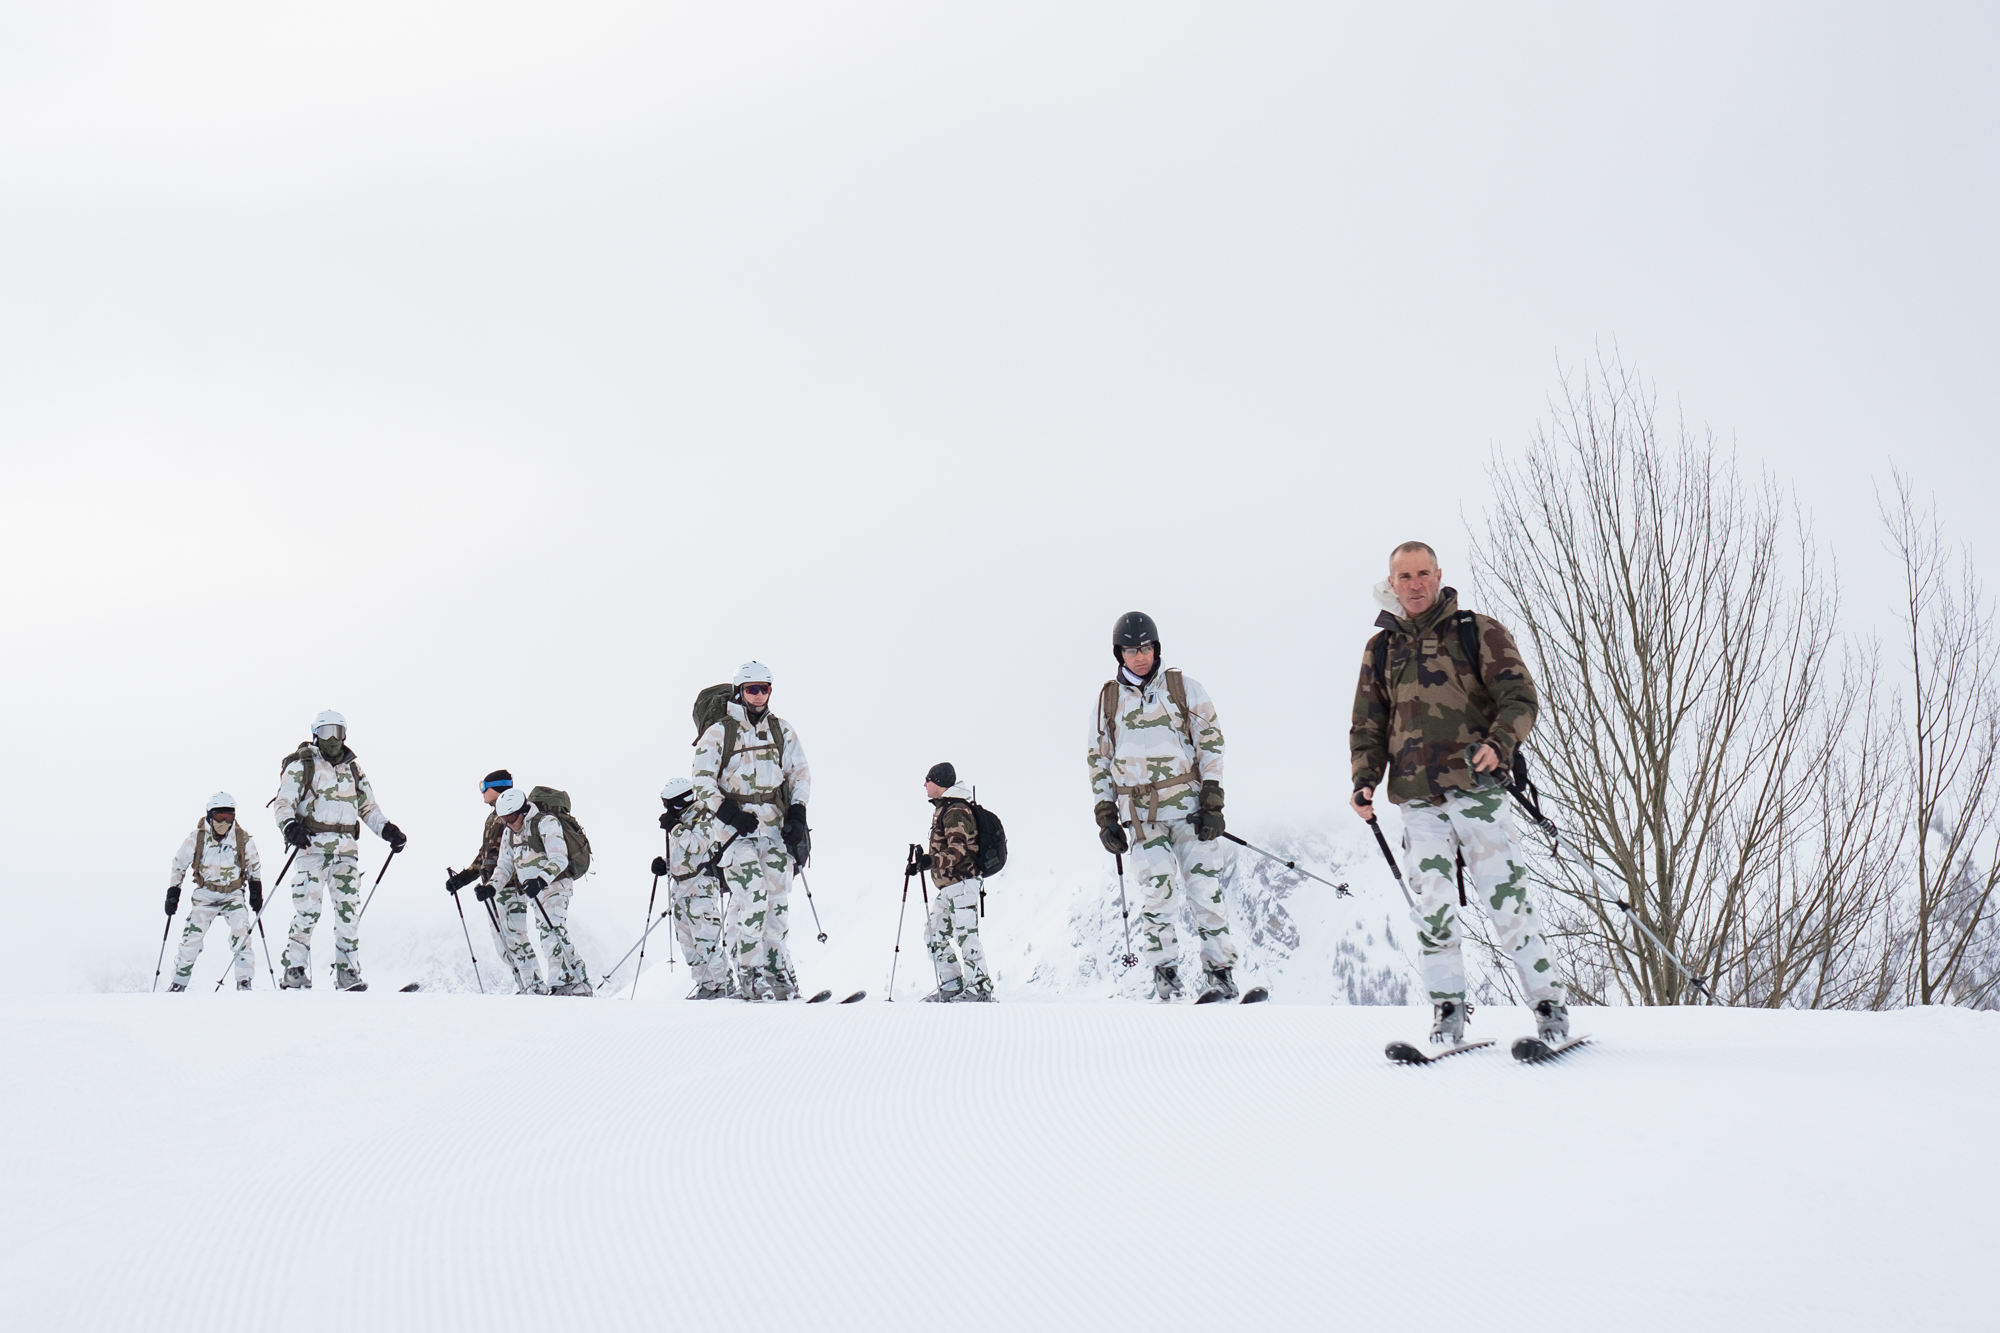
x=858 y=995
x=821 y=997
x=1405 y=1054
x=1255 y=995
x=1533 y=1050
x=414 y=985
x=350 y=990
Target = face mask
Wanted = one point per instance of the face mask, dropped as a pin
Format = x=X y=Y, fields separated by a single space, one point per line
x=331 y=746
x=220 y=827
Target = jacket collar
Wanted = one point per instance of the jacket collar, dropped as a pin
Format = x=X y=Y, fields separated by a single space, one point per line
x=1447 y=605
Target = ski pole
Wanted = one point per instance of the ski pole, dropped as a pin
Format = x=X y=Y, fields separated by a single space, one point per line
x=162 y=960
x=813 y=905
x=1340 y=890
x=635 y=948
x=897 y=957
x=650 y=899
x=1548 y=827
x=258 y=917
x=1130 y=959
x=376 y=885
x=1394 y=867
x=467 y=932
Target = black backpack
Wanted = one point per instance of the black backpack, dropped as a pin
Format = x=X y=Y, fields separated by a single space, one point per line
x=989 y=854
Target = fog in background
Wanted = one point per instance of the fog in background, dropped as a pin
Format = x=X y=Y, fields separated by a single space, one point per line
x=501 y=374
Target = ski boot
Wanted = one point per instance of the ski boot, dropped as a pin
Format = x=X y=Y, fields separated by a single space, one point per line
x=782 y=989
x=242 y=983
x=581 y=986
x=757 y=989
x=710 y=990
x=174 y=987
x=980 y=994
x=946 y=992
x=347 y=978
x=1166 y=981
x=1449 y=1028
x=1552 y=1021
x=296 y=978
x=1221 y=987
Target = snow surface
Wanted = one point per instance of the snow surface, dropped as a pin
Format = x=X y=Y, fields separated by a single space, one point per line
x=386 y=1162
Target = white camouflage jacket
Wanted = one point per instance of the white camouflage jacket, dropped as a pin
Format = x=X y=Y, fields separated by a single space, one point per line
x=755 y=772
x=690 y=843
x=220 y=870
x=518 y=858
x=341 y=798
x=1153 y=758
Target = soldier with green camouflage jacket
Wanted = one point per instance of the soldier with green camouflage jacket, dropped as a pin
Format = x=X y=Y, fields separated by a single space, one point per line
x=1439 y=725
x=957 y=955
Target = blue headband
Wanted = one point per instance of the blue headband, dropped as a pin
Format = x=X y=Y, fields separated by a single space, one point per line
x=496 y=782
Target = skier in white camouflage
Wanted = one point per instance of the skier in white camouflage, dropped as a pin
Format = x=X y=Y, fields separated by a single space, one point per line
x=957 y=955
x=224 y=861
x=694 y=891
x=1443 y=703
x=323 y=800
x=535 y=856
x=1156 y=770
x=507 y=907
x=750 y=773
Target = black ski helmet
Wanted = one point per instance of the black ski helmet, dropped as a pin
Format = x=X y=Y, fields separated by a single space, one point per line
x=1135 y=629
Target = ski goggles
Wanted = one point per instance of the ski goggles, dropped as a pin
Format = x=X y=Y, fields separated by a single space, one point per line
x=221 y=815
x=756 y=687
x=330 y=732
x=496 y=784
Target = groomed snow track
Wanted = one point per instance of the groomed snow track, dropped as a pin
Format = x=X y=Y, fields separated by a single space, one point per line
x=428 y=1162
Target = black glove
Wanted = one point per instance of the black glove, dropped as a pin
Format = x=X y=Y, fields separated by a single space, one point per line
x=798 y=837
x=454 y=883
x=1108 y=831
x=484 y=892
x=659 y=866
x=296 y=835
x=394 y=837
x=669 y=818
x=910 y=866
x=925 y=861
x=256 y=894
x=173 y=899
x=1207 y=821
x=736 y=816
x=533 y=887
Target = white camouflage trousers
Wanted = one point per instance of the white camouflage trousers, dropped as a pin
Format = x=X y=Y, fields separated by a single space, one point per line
x=954 y=925
x=517 y=942
x=1481 y=825
x=330 y=863
x=565 y=965
x=759 y=871
x=697 y=908
x=203 y=907
x=1170 y=865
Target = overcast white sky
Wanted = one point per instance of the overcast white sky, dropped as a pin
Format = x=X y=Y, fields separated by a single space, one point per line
x=499 y=374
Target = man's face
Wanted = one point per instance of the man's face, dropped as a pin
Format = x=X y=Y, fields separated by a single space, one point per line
x=1139 y=660
x=1414 y=578
x=220 y=820
x=756 y=694
x=932 y=790
x=491 y=795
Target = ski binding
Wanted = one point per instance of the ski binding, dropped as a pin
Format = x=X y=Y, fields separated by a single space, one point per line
x=1534 y=1051
x=1405 y=1054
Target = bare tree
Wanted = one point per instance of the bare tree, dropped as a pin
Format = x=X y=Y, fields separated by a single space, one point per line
x=1701 y=728
x=1948 y=761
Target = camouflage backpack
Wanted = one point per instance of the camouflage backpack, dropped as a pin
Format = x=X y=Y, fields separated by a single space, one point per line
x=712 y=706
x=1107 y=704
x=552 y=802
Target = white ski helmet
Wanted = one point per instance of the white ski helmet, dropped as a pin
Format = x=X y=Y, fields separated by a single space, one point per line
x=330 y=719
x=222 y=800
x=676 y=788
x=751 y=671
x=510 y=803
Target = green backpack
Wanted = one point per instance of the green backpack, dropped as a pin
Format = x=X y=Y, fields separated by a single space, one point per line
x=552 y=802
x=712 y=706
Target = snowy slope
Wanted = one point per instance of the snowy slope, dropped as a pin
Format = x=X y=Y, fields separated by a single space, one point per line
x=389 y=1162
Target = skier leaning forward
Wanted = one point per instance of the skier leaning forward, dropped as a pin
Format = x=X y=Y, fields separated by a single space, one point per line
x=957 y=956
x=694 y=890
x=1442 y=729
x=750 y=773
x=224 y=860
x=534 y=856
x=1156 y=768
x=509 y=914
x=323 y=800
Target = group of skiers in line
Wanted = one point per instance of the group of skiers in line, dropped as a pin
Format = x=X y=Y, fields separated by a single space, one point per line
x=1442 y=705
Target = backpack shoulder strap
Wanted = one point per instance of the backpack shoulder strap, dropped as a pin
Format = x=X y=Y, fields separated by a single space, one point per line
x=1378 y=658
x=242 y=841
x=1177 y=691
x=194 y=866
x=728 y=746
x=1107 y=704
x=1468 y=639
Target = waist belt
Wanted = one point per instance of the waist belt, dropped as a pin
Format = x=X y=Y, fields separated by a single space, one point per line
x=768 y=798
x=1152 y=791
x=220 y=885
x=349 y=830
